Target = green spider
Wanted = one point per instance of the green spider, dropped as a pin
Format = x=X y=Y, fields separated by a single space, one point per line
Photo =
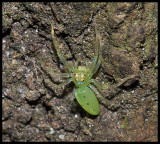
x=86 y=86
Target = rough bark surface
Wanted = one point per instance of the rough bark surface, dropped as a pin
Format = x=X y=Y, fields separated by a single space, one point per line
x=31 y=112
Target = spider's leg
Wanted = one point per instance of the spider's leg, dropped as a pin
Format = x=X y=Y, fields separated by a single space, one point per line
x=113 y=90
x=73 y=94
x=110 y=91
x=73 y=97
x=96 y=66
x=64 y=75
x=50 y=71
x=105 y=102
x=53 y=86
x=57 y=88
x=99 y=58
x=98 y=84
x=94 y=61
x=76 y=64
x=68 y=66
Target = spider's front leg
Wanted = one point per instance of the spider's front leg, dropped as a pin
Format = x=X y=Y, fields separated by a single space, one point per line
x=57 y=46
x=98 y=55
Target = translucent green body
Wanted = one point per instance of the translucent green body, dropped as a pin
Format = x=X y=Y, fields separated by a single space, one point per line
x=87 y=99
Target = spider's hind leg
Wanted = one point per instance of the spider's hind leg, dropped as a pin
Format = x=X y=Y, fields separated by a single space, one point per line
x=107 y=103
x=72 y=98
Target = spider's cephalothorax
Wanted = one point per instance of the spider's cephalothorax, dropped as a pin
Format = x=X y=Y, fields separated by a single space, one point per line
x=82 y=78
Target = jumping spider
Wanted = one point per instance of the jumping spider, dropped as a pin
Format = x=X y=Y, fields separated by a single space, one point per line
x=86 y=86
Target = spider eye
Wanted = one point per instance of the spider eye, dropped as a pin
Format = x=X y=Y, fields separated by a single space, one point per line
x=82 y=77
x=76 y=76
x=81 y=83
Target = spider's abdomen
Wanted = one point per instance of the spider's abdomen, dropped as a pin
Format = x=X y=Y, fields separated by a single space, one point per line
x=87 y=99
